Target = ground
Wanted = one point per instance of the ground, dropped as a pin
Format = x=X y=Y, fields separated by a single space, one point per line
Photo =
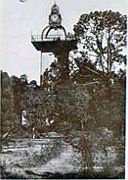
x=35 y=158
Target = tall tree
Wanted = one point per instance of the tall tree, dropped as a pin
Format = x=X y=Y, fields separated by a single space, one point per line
x=103 y=36
x=9 y=119
x=102 y=39
x=19 y=86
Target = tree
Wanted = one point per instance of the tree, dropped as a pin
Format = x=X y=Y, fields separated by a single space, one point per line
x=19 y=87
x=103 y=36
x=9 y=119
x=24 y=78
x=33 y=83
x=102 y=39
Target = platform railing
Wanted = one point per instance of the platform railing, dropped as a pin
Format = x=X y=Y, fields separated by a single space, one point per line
x=39 y=38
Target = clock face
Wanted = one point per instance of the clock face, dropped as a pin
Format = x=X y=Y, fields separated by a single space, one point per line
x=54 y=18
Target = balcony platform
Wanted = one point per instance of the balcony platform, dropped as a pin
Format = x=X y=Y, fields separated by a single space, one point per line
x=53 y=43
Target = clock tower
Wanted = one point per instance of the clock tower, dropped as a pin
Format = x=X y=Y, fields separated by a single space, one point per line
x=55 y=17
x=60 y=45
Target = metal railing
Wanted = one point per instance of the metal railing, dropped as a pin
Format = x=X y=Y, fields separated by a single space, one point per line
x=39 y=38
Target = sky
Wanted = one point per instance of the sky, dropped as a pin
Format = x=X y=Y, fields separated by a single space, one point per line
x=19 y=20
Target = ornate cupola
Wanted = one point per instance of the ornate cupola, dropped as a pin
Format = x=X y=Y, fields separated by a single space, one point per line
x=55 y=17
x=55 y=22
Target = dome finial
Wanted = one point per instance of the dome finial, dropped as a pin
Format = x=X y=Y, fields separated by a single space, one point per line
x=55 y=8
x=55 y=2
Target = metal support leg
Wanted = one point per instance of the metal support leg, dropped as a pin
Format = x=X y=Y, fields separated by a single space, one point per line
x=41 y=68
x=42 y=35
x=48 y=32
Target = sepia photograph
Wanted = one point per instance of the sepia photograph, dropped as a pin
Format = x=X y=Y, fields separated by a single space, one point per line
x=63 y=89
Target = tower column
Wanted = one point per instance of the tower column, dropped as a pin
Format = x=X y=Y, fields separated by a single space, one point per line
x=63 y=60
x=41 y=66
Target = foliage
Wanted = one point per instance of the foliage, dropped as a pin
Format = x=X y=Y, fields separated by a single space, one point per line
x=89 y=98
x=103 y=37
x=60 y=108
x=12 y=90
x=19 y=87
x=9 y=118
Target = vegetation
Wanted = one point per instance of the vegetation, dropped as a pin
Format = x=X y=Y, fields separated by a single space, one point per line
x=92 y=96
x=103 y=36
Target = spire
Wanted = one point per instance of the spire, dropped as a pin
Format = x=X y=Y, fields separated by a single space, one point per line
x=54 y=7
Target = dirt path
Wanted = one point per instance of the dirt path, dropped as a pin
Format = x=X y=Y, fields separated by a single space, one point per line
x=68 y=161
